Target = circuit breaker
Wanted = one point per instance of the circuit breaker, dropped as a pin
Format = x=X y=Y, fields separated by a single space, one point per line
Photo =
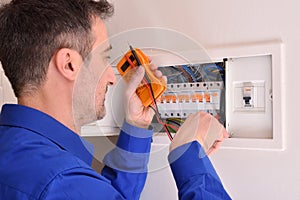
x=192 y=88
x=249 y=96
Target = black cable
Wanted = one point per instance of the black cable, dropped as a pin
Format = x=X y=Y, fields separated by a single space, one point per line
x=164 y=124
x=174 y=122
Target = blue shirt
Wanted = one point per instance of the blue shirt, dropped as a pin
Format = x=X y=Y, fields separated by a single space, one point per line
x=195 y=175
x=42 y=159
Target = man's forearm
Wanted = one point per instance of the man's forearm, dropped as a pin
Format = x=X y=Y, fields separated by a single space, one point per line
x=194 y=174
x=126 y=165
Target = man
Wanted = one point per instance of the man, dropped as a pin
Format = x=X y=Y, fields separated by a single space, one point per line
x=47 y=50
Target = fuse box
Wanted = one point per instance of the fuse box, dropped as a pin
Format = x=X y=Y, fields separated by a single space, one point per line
x=239 y=85
x=192 y=88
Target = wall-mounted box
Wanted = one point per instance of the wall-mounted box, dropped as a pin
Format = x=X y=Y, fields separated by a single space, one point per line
x=249 y=108
x=260 y=67
x=253 y=95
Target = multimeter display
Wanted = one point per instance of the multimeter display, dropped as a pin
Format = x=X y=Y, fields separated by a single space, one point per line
x=127 y=64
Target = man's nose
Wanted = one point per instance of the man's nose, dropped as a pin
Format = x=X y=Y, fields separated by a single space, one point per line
x=112 y=79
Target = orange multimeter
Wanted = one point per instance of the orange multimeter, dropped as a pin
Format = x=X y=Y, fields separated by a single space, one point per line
x=152 y=87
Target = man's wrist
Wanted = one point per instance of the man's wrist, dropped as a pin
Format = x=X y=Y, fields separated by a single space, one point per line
x=135 y=131
x=192 y=156
x=144 y=125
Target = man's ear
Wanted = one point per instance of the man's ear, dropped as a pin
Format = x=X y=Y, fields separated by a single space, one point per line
x=68 y=63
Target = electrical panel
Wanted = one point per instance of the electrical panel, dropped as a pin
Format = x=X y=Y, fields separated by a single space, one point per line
x=192 y=88
x=240 y=86
x=236 y=91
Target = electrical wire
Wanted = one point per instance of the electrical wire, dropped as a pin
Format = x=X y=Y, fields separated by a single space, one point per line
x=189 y=72
x=179 y=120
x=174 y=122
x=180 y=76
x=165 y=125
x=213 y=72
x=171 y=130
x=188 y=77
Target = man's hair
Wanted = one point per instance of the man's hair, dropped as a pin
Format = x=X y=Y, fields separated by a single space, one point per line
x=32 y=31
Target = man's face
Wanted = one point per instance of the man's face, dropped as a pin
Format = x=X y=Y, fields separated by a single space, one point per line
x=94 y=77
x=107 y=77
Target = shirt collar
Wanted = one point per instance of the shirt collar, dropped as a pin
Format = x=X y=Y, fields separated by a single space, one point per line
x=43 y=124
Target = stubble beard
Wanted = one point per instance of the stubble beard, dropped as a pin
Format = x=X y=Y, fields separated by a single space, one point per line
x=101 y=110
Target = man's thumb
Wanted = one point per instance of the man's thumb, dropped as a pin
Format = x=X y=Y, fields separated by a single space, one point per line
x=135 y=80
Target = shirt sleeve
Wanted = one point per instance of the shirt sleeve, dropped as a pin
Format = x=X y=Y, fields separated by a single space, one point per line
x=79 y=183
x=126 y=165
x=194 y=174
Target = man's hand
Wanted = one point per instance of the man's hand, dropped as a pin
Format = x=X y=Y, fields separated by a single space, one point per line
x=203 y=128
x=136 y=114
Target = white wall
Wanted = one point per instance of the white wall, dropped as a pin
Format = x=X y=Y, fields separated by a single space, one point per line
x=6 y=93
x=247 y=174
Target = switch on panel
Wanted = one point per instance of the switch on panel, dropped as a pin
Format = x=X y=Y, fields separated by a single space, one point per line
x=249 y=96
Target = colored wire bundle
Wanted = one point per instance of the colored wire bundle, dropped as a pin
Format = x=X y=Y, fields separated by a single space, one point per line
x=174 y=124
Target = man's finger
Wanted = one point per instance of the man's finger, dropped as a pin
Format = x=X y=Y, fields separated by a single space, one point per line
x=135 y=80
x=214 y=147
x=225 y=133
x=153 y=67
x=158 y=73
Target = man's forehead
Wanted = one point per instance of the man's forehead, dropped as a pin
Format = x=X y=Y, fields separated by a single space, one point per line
x=100 y=33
